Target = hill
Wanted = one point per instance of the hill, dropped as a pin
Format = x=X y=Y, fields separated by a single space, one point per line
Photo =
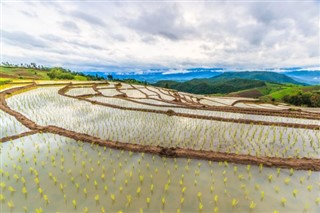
x=290 y=93
x=34 y=72
x=154 y=76
x=232 y=82
x=259 y=75
x=309 y=77
x=211 y=86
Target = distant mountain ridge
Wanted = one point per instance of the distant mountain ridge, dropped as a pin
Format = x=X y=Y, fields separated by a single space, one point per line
x=260 y=75
x=228 y=82
x=211 y=86
x=153 y=76
x=310 y=77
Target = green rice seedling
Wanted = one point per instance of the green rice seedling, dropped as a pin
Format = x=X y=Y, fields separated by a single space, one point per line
x=2 y=198
x=97 y=199
x=46 y=199
x=234 y=202
x=283 y=201
x=113 y=198
x=10 y=205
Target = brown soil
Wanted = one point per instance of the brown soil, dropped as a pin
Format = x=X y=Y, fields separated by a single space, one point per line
x=145 y=94
x=9 y=138
x=299 y=164
x=249 y=94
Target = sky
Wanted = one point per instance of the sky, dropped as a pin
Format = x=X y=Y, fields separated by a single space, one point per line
x=142 y=35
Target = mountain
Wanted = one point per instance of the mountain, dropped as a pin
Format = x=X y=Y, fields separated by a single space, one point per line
x=230 y=82
x=309 y=77
x=153 y=77
x=259 y=75
x=211 y=85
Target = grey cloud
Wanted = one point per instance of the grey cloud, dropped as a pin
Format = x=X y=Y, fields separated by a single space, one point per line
x=301 y=15
x=263 y=12
x=74 y=43
x=57 y=6
x=85 y=45
x=51 y=37
x=205 y=47
x=88 y=18
x=166 y=22
x=169 y=35
x=149 y=39
x=70 y=26
x=22 y=39
x=29 y=14
x=263 y=23
x=254 y=34
x=118 y=37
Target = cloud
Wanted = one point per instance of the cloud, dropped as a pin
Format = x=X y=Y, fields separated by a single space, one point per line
x=166 y=22
x=29 y=14
x=22 y=39
x=70 y=26
x=71 y=42
x=179 y=71
x=180 y=35
x=88 y=18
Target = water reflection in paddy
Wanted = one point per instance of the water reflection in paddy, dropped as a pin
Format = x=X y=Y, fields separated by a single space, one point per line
x=77 y=176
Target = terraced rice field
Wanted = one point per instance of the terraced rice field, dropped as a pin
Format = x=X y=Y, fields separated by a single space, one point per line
x=115 y=147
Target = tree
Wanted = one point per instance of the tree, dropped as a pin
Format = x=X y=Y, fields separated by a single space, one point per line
x=110 y=77
x=33 y=65
x=315 y=100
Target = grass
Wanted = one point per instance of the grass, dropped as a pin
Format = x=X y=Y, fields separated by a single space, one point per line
x=260 y=91
x=29 y=73
x=278 y=95
x=4 y=81
x=276 y=91
x=25 y=73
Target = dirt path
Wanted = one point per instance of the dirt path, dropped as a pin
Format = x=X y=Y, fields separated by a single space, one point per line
x=298 y=164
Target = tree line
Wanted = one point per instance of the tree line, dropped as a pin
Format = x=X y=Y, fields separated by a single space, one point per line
x=53 y=72
x=310 y=99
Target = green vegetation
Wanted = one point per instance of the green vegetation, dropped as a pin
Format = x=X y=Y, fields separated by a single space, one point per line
x=270 y=90
x=132 y=81
x=293 y=94
x=259 y=75
x=128 y=81
x=269 y=87
x=211 y=85
x=310 y=99
x=23 y=73
x=251 y=84
x=4 y=81
x=38 y=72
